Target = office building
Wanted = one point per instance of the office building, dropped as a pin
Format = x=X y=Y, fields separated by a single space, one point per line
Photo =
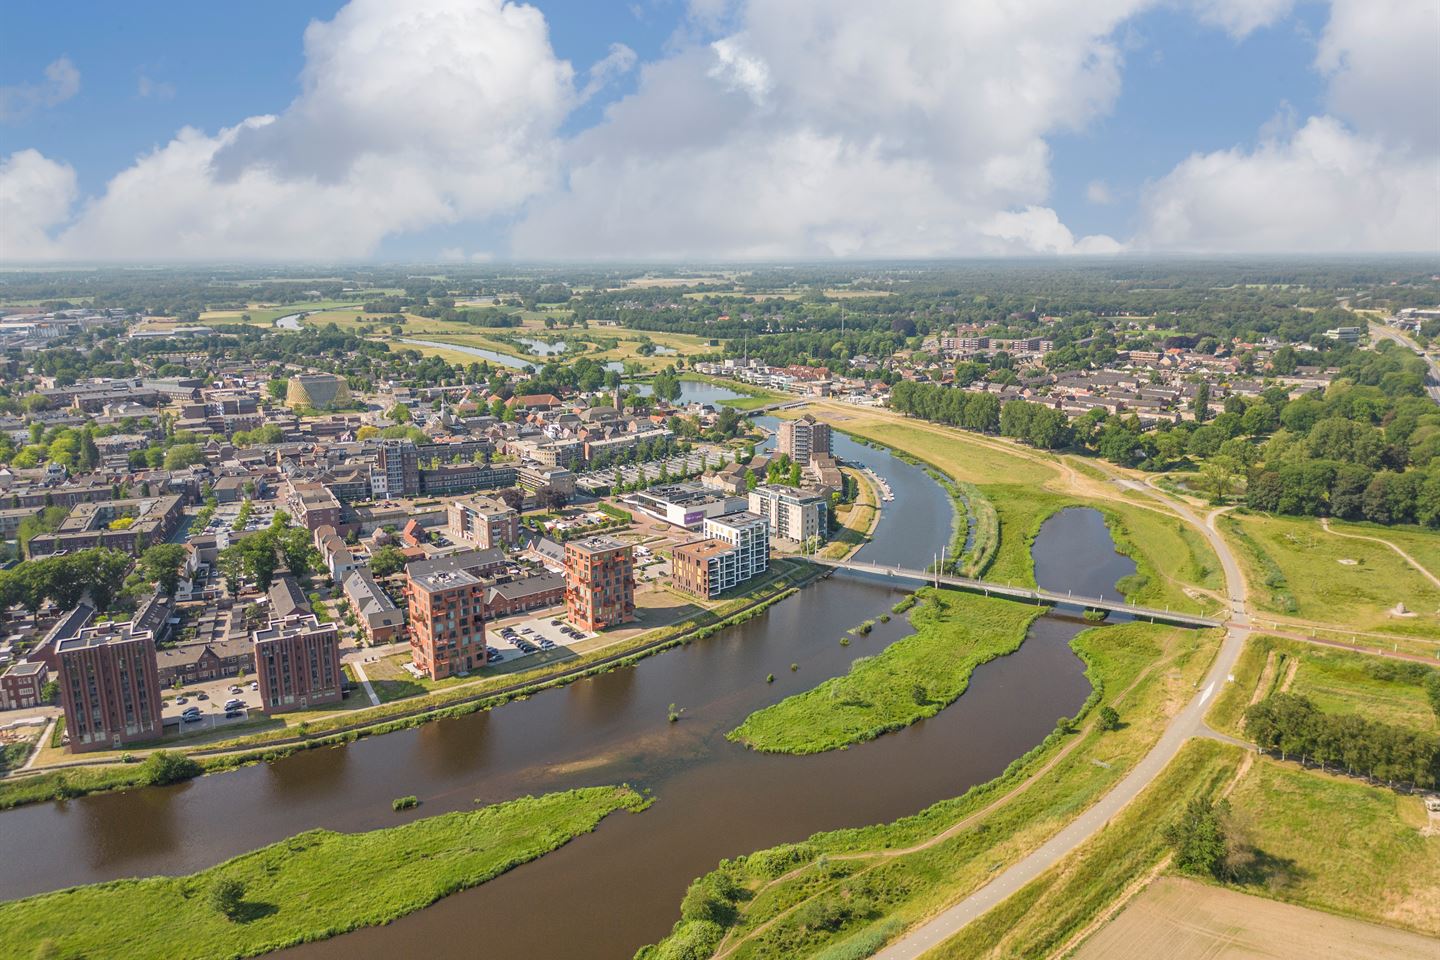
x=599 y=583
x=686 y=504
x=297 y=660
x=109 y=687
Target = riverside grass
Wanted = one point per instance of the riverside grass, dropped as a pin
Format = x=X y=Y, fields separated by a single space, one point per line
x=913 y=678
x=289 y=897
x=1146 y=671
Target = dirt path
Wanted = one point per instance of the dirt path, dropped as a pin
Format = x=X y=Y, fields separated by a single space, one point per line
x=1420 y=568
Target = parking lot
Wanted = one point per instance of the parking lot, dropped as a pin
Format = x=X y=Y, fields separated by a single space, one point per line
x=209 y=699
x=512 y=639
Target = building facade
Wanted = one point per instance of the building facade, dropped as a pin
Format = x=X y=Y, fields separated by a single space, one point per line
x=803 y=438
x=379 y=618
x=483 y=522
x=109 y=687
x=599 y=583
x=704 y=568
x=796 y=515
x=297 y=660
x=23 y=684
x=447 y=621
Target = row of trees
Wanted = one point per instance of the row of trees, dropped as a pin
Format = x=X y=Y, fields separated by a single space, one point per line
x=65 y=579
x=1291 y=726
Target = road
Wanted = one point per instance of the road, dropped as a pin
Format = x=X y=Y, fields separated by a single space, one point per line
x=1384 y=332
x=1189 y=722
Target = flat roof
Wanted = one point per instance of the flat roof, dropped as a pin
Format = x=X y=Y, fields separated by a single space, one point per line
x=438 y=580
x=704 y=549
x=595 y=544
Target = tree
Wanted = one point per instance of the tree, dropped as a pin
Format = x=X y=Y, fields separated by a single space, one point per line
x=1199 y=837
x=277 y=389
x=386 y=561
x=165 y=767
x=1218 y=475
x=226 y=896
x=161 y=565
x=400 y=414
x=183 y=455
x=1201 y=403
x=1109 y=719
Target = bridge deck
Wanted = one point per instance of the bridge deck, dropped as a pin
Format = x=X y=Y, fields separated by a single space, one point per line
x=1031 y=594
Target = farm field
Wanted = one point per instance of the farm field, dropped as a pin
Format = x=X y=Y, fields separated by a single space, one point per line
x=1186 y=920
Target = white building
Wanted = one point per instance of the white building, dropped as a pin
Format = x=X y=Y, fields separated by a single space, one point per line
x=792 y=514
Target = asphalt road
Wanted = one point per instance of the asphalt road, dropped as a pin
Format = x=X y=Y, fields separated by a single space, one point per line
x=1432 y=386
x=1190 y=722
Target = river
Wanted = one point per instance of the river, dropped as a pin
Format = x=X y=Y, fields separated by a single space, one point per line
x=611 y=891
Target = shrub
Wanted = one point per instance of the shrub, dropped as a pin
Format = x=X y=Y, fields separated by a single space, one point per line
x=226 y=896
x=164 y=767
x=1109 y=719
x=404 y=803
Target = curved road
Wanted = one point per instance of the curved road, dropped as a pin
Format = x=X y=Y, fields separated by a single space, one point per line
x=1189 y=722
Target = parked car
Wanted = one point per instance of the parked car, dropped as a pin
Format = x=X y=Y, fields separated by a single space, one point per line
x=232 y=714
x=235 y=688
x=233 y=704
x=180 y=700
x=202 y=695
x=190 y=715
x=254 y=684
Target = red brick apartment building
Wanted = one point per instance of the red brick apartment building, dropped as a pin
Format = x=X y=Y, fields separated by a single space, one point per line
x=447 y=621
x=298 y=663
x=21 y=686
x=599 y=583
x=109 y=687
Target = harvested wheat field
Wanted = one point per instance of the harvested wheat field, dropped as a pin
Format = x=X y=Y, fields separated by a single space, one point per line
x=1185 y=920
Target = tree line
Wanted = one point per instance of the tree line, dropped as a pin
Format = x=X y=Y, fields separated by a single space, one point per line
x=1292 y=726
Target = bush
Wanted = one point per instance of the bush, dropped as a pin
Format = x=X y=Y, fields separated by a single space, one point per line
x=164 y=767
x=226 y=896
x=405 y=803
x=1109 y=719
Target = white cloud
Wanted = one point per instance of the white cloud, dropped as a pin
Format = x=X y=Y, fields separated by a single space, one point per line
x=35 y=196
x=148 y=88
x=1240 y=18
x=618 y=62
x=1099 y=193
x=62 y=81
x=410 y=115
x=846 y=128
x=1366 y=179
x=1324 y=189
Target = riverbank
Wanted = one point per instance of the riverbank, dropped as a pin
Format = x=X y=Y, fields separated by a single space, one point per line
x=313 y=886
x=84 y=777
x=872 y=882
x=1175 y=567
x=857 y=520
x=911 y=679
x=752 y=397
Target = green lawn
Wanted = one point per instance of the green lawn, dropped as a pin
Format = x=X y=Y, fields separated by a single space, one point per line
x=1294 y=567
x=913 y=678
x=839 y=886
x=291 y=893
x=1341 y=845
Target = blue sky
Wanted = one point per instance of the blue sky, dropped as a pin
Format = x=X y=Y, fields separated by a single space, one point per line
x=1184 y=86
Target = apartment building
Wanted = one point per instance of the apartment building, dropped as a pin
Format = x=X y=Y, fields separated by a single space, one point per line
x=483 y=522
x=379 y=618
x=297 y=660
x=803 y=438
x=792 y=514
x=109 y=687
x=599 y=583
x=749 y=534
x=447 y=620
x=736 y=548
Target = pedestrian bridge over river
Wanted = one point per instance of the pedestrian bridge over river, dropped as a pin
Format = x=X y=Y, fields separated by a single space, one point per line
x=1031 y=594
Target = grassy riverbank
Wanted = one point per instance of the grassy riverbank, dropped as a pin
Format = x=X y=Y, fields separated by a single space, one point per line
x=913 y=678
x=290 y=891
x=750 y=397
x=866 y=884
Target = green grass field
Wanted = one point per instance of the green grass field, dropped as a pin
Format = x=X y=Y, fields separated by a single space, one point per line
x=1314 y=584
x=913 y=678
x=291 y=894
x=842 y=885
x=1341 y=845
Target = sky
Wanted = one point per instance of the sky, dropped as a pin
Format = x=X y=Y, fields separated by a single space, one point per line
x=482 y=130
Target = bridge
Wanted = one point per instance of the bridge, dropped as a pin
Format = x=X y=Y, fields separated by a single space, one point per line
x=1030 y=594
